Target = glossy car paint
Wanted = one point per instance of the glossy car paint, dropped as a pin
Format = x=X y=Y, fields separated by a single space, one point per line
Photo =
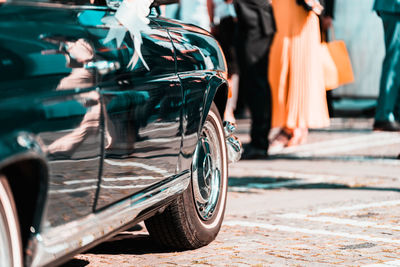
x=115 y=141
x=142 y=120
x=51 y=98
x=201 y=68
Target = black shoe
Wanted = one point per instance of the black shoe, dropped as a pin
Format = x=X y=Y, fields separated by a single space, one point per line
x=252 y=152
x=390 y=126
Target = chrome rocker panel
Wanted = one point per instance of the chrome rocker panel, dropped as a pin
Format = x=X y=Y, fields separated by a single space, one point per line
x=46 y=246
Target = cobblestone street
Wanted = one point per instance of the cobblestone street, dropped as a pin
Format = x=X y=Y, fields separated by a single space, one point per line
x=332 y=202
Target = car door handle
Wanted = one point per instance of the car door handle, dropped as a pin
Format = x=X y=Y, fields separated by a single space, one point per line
x=103 y=66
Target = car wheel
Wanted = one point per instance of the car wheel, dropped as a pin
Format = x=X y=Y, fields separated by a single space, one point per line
x=193 y=220
x=10 y=238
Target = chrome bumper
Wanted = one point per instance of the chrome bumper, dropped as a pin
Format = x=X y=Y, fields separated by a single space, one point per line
x=233 y=144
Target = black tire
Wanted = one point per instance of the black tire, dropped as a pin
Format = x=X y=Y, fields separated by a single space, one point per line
x=10 y=237
x=193 y=220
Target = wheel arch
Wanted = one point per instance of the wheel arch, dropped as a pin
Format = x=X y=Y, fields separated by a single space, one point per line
x=217 y=92
x=27 y=175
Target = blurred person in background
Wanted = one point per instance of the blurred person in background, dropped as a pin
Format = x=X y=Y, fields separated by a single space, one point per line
x=327 y=17
x=326 y=24
x=195 y=12
x=170 y=11
x=256 y=27
x=387 y=114
x=296 y=74
x=224 y=28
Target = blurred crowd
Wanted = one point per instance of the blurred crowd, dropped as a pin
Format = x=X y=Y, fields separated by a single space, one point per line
x=275 y=68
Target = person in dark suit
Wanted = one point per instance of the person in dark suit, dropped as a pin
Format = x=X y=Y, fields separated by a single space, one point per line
x=256 y=30
x=329 y=6
x=326 y=18
x=326 y=23
x=387 y=114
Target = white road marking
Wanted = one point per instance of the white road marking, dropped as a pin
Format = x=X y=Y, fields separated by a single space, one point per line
x=358 y=207
x=355 y=146
x=290 y=229
x=293 y=175
x=137 y=164
x=346 y=144
x=334 y=220
x=274 y=185
x=384 y=264
x=300 y=179
x=329 y=143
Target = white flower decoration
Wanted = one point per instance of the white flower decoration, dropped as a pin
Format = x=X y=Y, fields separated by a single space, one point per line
x=131 y=16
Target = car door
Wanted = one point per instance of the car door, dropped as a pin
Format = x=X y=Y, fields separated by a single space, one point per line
x=198 y=57
x=142 y=112
x=50 y=94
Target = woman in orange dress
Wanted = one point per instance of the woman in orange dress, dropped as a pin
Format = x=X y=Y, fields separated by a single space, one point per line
x=296 y=75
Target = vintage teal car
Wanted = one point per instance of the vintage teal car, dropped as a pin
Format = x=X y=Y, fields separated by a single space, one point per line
x=97 y=136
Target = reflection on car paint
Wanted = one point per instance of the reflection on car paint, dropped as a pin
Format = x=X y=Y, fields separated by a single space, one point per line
x=74 y=102
x=138 y=109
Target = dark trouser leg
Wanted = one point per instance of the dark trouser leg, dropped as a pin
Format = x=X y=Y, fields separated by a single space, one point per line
x=258 y=99
x=389 y=92
x=255 y=36
x=329 y=100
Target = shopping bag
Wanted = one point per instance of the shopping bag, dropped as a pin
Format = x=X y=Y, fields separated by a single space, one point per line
x=336 y=64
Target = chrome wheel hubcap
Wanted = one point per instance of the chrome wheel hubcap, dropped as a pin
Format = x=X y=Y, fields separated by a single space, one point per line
x=207 y=172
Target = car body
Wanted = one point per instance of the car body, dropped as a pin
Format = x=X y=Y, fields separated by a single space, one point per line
x=92 y=144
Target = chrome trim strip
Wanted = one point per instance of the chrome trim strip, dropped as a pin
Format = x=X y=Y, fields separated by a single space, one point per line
x=53 y=243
